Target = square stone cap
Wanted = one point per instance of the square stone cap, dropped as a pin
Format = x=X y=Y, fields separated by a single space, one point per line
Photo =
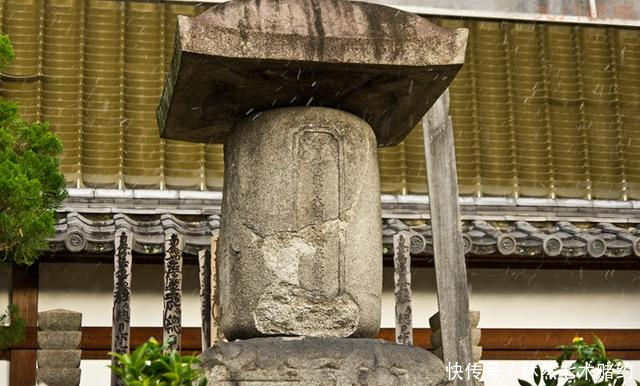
x=241 y=57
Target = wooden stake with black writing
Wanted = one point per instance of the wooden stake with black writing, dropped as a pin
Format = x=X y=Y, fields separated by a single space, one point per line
x=121 y=322
x=402 y=281
x=172 y=315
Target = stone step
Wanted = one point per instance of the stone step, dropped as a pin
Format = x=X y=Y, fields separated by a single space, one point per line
x=59 y=359
x=59 y=320
x=58 y=377
x=59 y=340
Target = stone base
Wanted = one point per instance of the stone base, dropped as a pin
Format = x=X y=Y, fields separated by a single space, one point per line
x=58 y=377
x=321 y=362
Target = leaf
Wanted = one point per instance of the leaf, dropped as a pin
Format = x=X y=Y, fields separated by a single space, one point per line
x=600 y=345
x=619 y=381
x=522 y=382
x=152 y=365
x=537 y=374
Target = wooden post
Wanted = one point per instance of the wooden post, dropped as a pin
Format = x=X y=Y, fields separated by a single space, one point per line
x=216 y=333
x=206 y=300
x=402 y=279
x=451 y=274
x=121 y=323
x=24 y=294
x=172 y=316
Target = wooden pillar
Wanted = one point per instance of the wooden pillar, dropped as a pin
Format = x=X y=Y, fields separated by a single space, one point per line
x=172 y=315
x=121 y=322
x=24 y=294
x=216 y=333
x=451 y=273
x=402 y=280
x=206 y=300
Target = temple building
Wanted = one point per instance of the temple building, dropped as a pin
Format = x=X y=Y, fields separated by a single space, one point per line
x=546 y=121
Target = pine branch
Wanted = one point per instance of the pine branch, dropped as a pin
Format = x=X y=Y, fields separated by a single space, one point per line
x=15 y=332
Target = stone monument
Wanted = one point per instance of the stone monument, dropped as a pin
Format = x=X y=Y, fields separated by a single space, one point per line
x=302 y=92
x=58 y=356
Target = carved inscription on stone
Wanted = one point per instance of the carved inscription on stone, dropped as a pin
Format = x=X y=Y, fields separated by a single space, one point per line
x=319 y=170
x=301 y=225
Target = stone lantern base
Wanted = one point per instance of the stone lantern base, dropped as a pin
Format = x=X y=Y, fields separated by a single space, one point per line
x=300 y=250
x=321 y=362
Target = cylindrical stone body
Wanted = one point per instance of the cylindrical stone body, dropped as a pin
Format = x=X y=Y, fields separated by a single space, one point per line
x=300 y=250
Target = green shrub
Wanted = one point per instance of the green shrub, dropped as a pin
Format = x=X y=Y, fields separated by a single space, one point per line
x=13 y=333
x=153 y=365
x=31 y=186
x=591 y=367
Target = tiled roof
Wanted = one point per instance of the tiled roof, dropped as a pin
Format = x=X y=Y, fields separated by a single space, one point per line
x=94 y=234
x=538 y=109
x=78 y=233
x=521 y=238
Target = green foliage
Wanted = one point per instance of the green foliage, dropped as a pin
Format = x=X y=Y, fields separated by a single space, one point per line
x=153 y=365
x=14 y=333
x=31 y=186
x=590 y=367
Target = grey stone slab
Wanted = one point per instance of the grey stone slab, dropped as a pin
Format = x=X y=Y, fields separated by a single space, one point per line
x=59 y=320
x=59 y=359
x=58 y=377
x=301 y=240
x=321 y=362
x=380 y=63
x=59 y=340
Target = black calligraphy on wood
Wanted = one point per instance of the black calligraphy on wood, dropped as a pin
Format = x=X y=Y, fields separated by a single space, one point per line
x=206 y=300
x=172 y=316
x=402 y=279
x=121 y=321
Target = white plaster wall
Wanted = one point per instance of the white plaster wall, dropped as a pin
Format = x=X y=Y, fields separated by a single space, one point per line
x=532 y=298
x=4 y=372
x=87 y=288
x=95 y=373
x=506 y=299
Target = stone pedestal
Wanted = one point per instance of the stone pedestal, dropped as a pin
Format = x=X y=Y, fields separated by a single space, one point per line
x=301 y=92
x=300 y=242
x=321 y=362
x=59 y=351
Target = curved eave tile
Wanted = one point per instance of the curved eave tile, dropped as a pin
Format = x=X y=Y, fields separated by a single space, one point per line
x=79 y=233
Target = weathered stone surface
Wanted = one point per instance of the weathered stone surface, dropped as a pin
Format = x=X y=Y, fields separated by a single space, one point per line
x=320 y=317
x=321 y=362
x=385 y=65
x=300 y=236
x=59 y=358
x=59 y=340
x=59 y=320
x=58 y=377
